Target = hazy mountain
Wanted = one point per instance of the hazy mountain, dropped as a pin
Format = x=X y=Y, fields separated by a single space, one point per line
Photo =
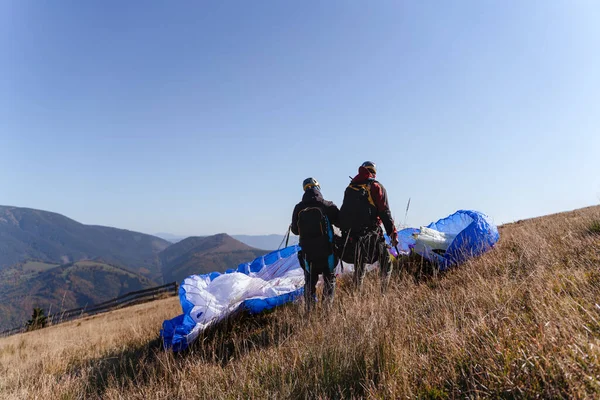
x=49 y=260
x=170 y=237
x=268 y=242
x=199 y=255
x=27 y=234
x=63 y=287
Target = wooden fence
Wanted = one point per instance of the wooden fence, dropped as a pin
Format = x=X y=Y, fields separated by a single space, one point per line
x=139 y=296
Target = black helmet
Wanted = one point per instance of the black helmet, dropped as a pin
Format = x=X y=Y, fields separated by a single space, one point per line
x=309 y=183
x=370 y=165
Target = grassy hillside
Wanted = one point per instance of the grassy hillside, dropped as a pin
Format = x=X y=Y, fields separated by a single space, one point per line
x=61 y=288
x=520 y=322
x=27 y=234
x=200 y=255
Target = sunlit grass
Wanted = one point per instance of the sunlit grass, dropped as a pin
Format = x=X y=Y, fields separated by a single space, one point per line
x=518 y=322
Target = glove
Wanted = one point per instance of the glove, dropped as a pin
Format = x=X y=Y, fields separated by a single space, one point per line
x=394 y=239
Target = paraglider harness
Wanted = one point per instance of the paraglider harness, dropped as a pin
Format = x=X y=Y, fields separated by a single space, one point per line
x=361 y=234
x=358 y=212
x=316 y=237
x=363 y=244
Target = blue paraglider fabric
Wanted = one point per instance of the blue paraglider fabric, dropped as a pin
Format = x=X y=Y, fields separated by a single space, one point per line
x=277 y=278
x=475 y=234
x=265 y=283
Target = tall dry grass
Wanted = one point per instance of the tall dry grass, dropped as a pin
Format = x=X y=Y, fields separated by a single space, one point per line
x=520 y=322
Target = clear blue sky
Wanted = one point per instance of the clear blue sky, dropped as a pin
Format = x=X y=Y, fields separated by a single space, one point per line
x=202 y=117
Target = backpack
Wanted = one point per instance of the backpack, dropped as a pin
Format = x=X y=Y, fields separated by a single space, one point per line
x=316 y=234
x=358 y=210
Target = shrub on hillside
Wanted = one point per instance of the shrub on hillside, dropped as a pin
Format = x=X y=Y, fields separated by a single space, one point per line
x=38 y=319
x=594 y=227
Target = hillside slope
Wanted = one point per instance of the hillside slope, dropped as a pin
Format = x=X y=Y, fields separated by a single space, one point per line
x=61 y=288
x=522 y=321
x=200 y=255
x=27 y=234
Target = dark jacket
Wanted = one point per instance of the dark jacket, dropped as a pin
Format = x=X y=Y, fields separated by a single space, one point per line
x=313 y=198
x=379 y=196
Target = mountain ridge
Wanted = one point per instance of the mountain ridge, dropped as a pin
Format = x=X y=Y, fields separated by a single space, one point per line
x=203 y=254
x=40 y=251
x=31 y=234
x=268 y=242
x=50 y=260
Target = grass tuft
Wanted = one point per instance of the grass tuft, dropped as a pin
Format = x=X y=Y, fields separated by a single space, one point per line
x=594 y=227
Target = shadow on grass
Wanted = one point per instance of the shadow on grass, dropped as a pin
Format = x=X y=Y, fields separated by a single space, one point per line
x=220 y=344
x=122 y=367
x=418 y=268
x=242 y=333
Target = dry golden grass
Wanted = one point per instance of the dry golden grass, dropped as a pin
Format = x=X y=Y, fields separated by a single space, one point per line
x=39 y=364
x=520 y=322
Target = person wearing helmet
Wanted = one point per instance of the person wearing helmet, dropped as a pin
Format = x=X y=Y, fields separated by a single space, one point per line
x=364 y=209
x=313 y=221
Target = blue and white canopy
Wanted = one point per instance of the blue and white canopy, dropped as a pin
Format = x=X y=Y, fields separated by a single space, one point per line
x=451 y=240
x=262 y=284
x=277 y=277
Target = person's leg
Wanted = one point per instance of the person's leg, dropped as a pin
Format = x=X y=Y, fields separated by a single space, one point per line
x=307 y=293
x=385 y=265
x=328 y=285
x=310 y=286
x=371 y=248
x=359 y=264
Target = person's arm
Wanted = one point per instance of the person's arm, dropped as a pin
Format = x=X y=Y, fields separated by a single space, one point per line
x=333 y=213
x=295 y=221
x=379 y=196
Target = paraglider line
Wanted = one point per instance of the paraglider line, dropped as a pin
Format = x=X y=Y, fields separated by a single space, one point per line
x=406 y=213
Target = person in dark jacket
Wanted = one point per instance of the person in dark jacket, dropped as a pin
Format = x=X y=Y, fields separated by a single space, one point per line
x=313 y=221
x=364 y=210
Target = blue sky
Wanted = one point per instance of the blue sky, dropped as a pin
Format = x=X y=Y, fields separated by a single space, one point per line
x=202 y=117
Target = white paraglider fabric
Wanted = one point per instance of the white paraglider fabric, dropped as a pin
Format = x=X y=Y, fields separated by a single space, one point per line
x=219 y=297
x=433 y=239
x=265 y=283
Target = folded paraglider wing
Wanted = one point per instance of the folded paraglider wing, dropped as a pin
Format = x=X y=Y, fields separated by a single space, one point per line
x=452 y=240
x=266 y=282
x=277 y=277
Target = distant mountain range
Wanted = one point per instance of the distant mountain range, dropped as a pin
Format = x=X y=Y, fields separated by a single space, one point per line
x=267 y=242
x=27 y=234
x=170 y=237
x=49 y=260
x=200 y=255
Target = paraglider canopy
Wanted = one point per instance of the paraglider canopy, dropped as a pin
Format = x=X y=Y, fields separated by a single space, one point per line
x=451 y=240
x=277 y=278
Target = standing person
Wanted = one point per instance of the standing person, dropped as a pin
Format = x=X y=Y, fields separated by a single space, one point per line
x=364 y=209
x=312 y=220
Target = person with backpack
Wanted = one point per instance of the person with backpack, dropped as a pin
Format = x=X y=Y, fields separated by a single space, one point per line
x=364 y=209
x=313 y=221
